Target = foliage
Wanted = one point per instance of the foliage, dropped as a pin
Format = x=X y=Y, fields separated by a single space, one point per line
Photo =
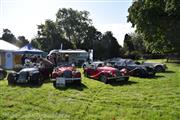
x=74 y=30
x=8 y=36
x=134 y=45
x=74 y=24
x=22 y=41
x=138 y=99
x=109 y=46
x=49 y=37
x=158 y=21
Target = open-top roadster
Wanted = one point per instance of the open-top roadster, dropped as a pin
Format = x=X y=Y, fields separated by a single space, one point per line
x=66 y=74
x=34 y=75
x=106 y=73
x=26 y=75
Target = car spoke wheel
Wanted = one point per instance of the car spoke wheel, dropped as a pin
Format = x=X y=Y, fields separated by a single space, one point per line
x=159 y=69
x=54 y=84
x=137 y=73
x=11 y=79
x=1 y=76
x=85 y=74
x=103 y=78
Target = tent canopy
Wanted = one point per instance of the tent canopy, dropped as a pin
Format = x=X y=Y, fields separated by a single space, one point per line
x=28 y=49
x=7 y=46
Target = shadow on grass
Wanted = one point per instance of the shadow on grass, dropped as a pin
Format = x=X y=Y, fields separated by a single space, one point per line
x=168 y=71
x=26 y=85
x=121 y=83
x=155 y=77
x=158 y=76
x=80 y=87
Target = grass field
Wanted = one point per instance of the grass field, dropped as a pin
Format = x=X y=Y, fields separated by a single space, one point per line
x=139 y=99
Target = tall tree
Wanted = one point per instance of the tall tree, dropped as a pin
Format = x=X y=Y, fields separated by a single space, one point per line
x=159 y=23
x=74 y=24
x=134 y=42
x=49 y=37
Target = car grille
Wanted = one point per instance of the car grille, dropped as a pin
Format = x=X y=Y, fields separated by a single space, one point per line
x=67 y=74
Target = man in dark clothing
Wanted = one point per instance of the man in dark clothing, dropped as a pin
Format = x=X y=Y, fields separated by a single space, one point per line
x=46 y=67
x=23 y=59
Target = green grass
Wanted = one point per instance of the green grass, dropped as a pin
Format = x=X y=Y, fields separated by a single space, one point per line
x=140 y=98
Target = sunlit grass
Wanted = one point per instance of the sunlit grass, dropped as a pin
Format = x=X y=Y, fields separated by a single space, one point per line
x=140 y=98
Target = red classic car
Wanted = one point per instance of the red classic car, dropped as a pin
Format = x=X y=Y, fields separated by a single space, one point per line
x=64 y=75
x=106 y=73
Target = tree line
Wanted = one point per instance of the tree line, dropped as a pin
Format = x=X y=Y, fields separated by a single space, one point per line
x=156 y=22
x=72 y=29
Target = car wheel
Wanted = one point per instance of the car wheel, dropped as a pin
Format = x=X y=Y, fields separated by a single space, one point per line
x=11 y=79
x=35 y=79
x=1 y=76
x=103 y=79
x=85 y=74
x=126 y=79
x=137 y=72
x=78 y=82
x=159 y=69
x=54 y=84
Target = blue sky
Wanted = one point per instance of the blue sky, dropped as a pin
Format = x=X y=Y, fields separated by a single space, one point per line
x=23 y=16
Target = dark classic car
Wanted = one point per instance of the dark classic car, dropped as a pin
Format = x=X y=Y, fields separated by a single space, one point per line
x=105 y=73
x=159 y=67
x=34 y=75
x=26 y=75
x=66 y=74
x=3 y=74
x=133 y=68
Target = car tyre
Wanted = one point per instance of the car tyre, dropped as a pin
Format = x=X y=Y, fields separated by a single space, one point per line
x=85 y=74
x=78 y=82
x=103 y=79
x=54 y=84
x=137 y=72
x=11 y=79
x=1 y=76
x=159 y=69
x=35 y=79
x=126 y=79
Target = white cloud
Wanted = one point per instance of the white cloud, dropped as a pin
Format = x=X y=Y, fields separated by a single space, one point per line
x=119 y=30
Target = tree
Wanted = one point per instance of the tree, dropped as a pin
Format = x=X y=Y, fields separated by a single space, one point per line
x=107 y=47
x=22 y=41
x=8 y=36
x=134 y=45
x=159 y=23
x=49 y=37
x=74 y=24
x=92 y=35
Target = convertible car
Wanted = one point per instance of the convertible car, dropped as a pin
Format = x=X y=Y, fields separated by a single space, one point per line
x=134 y=68
x=64 y=75
x=105 y=73
x=159 y=67
x=34 y=75
x=3 y=74
x=26 y=75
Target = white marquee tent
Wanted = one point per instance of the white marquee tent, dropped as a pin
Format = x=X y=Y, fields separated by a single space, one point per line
x=7 y=46
x=7 y=54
